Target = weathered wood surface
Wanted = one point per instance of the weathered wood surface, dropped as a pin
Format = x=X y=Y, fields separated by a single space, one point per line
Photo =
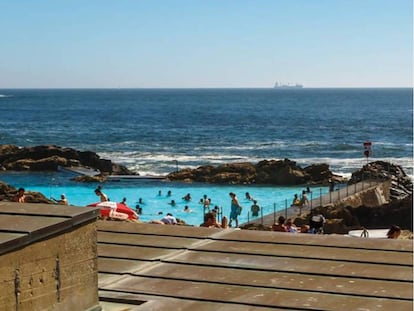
x=22 y=224
x=160 y=267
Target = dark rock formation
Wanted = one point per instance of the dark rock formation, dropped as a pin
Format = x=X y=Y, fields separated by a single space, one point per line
x=48 y=158
x=89 y=179
x=399 y=209
x=272 y=172
x=7 y=193
x=401 y=184
x=340 y=219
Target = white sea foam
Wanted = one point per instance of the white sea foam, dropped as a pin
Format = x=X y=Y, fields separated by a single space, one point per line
x=4 y=95
x=132 y=157
x=164 y=163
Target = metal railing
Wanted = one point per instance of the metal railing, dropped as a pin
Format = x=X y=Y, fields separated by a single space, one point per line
x=340 y=192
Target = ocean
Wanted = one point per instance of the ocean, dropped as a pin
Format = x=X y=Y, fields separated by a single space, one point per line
x=157 y=131
x=154 y=131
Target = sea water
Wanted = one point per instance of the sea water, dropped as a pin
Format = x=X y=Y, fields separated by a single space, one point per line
x=158 y=131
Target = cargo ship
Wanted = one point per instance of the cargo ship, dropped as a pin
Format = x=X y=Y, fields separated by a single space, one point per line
x=287 y=86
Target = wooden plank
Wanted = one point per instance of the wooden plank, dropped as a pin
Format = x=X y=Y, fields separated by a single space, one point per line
x=6 y=237
x=120 y=266
x=309 y=251
x=299 y=265
x=156 y=229
x=146 y=240
x=150 y=303
x=316 y=239
x=37 y=227
x=254 y=297
x=10 y=241
x=76 y=214
x=129 y=252
x=281 y=280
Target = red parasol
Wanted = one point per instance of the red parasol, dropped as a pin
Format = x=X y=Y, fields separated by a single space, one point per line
x=115 y=210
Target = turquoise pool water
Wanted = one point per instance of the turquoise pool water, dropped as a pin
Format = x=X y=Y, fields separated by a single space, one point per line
x=269 y=198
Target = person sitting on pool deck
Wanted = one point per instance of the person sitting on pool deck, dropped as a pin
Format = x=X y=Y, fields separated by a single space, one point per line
x=280 y=225
x=394 y=232
x=210 y=221
x=19 y=196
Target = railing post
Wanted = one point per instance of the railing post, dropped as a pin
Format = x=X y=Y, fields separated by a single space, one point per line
x=286 y=208
x=274 y=212
x=363 y=179
x=261 y=215
x=248 y=217
x=320 y=196
x=311 y=201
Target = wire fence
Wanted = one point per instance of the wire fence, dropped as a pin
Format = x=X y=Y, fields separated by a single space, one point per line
x=337 y=193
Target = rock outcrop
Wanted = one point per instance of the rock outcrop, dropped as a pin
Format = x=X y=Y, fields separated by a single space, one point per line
x=50 y=157
x=7 y=193
x=387 y=203
x=398 y=210
x=401 y=184
x=272 y=172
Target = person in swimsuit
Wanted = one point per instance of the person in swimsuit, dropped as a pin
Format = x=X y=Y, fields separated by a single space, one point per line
x=20 y=196
x=62 y=201
x=102 y=196
x=235 y=210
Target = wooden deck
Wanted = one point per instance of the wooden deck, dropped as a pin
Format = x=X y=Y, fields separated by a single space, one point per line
x=159 y=267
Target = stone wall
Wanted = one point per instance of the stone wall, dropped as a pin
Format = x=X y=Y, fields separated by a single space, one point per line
x=371 y=197
x=59 y=273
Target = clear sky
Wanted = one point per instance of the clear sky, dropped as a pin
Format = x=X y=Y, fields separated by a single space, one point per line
x=206 y=43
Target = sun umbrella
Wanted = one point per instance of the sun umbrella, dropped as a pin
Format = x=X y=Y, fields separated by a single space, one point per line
x=115 y=210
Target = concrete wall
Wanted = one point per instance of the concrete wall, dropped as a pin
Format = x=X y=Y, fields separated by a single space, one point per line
x=371 y=197
x=59 y=273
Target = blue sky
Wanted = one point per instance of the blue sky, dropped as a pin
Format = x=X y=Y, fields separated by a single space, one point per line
x=206 y=43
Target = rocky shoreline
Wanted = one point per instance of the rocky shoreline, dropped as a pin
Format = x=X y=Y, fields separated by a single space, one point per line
x=343 y=217
x=267 y=172
x=270 y=172
x=51 y=157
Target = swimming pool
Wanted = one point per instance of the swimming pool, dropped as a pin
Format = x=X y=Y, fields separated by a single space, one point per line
x=269 y=198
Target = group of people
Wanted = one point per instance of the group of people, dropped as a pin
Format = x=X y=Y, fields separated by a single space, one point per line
x=20 y=197
x=302 y=202
x=205 y=201
x=210 y=217
x=287 y=225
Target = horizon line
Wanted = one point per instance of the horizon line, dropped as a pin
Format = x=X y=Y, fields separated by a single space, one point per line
x=199 y=88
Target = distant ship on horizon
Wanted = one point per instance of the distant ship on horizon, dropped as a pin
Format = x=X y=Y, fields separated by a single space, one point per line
x=287 y=86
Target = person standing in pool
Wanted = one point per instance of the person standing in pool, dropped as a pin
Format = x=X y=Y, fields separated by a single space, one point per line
x=235 y=210
x=255 y=209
